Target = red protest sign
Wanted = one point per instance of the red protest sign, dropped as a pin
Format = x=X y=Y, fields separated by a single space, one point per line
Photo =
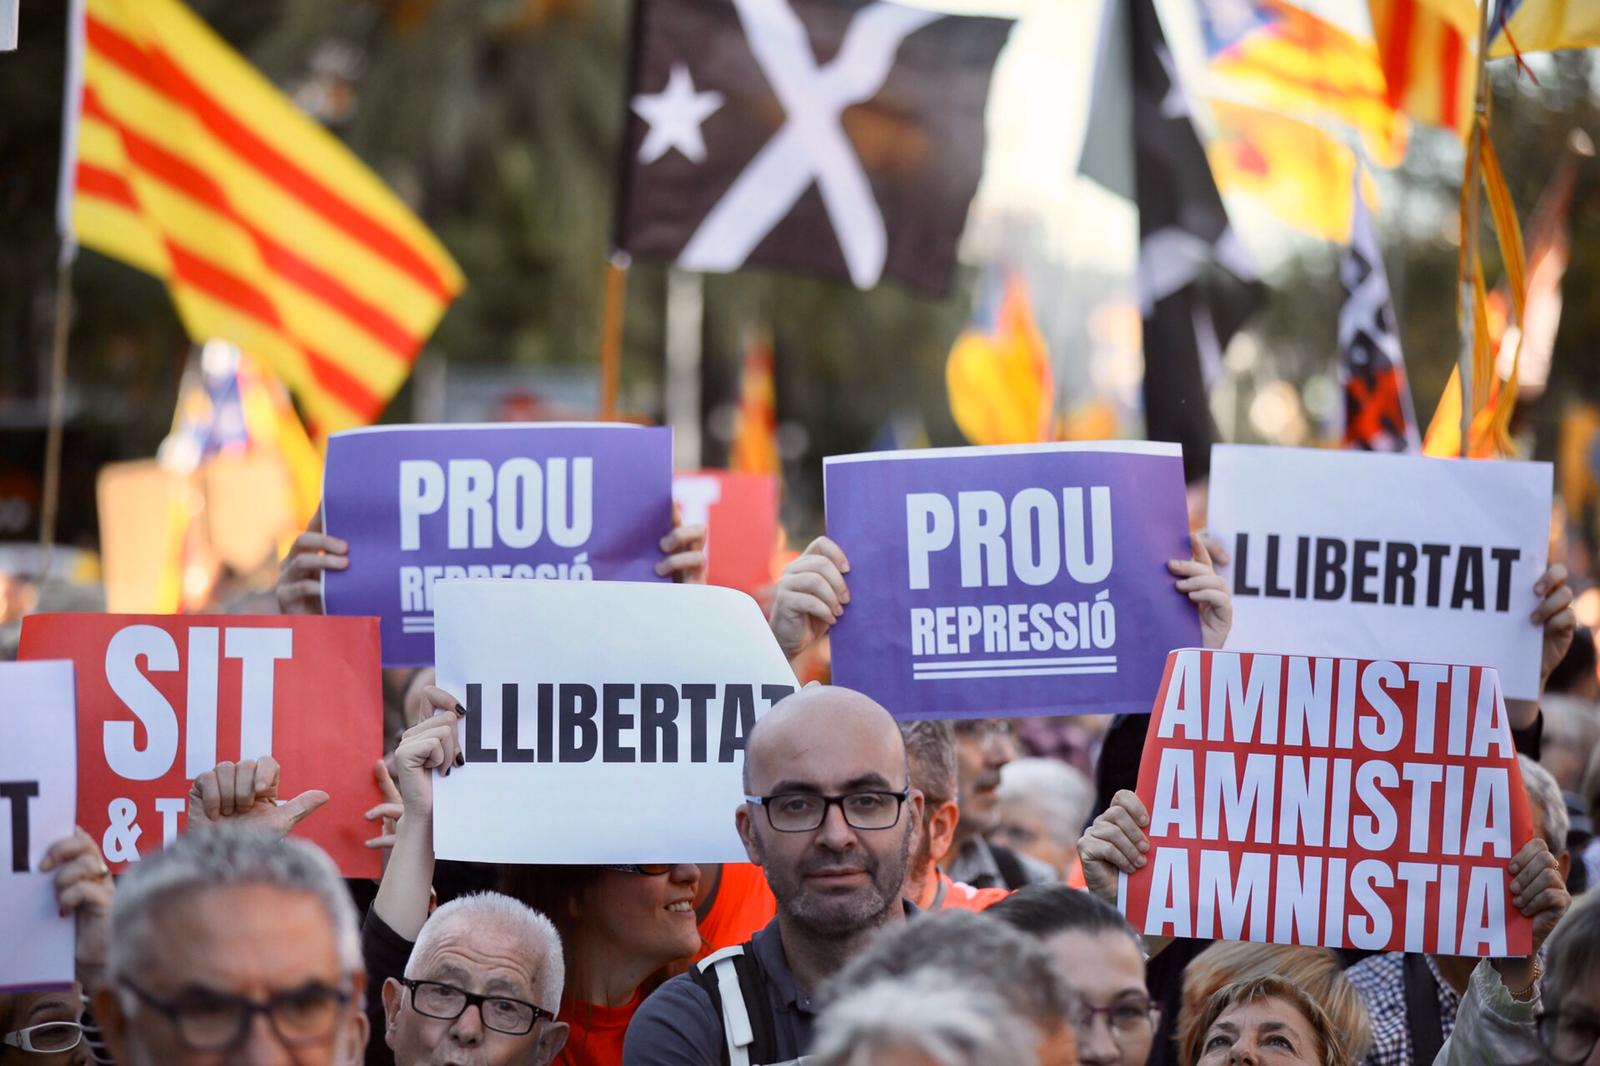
x=162 y=699
x=1343 y=803
x=740 y=513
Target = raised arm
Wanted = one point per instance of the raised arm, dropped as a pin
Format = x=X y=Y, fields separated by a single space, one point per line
x=407 y=885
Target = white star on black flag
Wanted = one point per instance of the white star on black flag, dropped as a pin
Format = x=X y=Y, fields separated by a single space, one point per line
x=841 y=137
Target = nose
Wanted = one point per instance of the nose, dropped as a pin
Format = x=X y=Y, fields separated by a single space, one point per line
x=262 y=1045
x=998 y=747
x=685 y=873
x=1242 y=1056
x=1096 y=1046
x=467 y=1029
x=835 y=833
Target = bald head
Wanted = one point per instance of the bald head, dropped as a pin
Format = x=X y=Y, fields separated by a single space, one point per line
x=817 y=718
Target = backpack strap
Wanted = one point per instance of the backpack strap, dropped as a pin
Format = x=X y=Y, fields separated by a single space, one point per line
x=737 y=987
x=1422 y=1009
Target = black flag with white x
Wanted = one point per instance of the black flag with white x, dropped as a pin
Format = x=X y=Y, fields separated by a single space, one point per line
x=838 y=137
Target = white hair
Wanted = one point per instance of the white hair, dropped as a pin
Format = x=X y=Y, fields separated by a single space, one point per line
x=949 y=1020
x=1064 y=791
x=225 y=857
x=1544 y=793
x=537 y=933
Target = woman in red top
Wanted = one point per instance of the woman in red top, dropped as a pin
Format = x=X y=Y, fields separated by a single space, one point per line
x=621 y=926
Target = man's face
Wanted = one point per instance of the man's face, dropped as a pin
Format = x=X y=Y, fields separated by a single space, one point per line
x=485 y=958
x=1022 y=825
x=982 y=748
x=254 y=942
x=1107 y=971
x=835 y=880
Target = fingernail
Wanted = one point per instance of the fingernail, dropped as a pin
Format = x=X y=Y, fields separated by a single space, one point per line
x=461 y=712
x=446 y=772
x=461 y=760
x=1144 y=845
x=1139 y=862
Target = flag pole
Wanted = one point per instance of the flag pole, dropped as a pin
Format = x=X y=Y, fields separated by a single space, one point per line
x=611 y=332
x=1471 y=224
x=66 y=187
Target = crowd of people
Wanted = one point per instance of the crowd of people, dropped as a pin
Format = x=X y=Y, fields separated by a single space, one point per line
x=918 y=893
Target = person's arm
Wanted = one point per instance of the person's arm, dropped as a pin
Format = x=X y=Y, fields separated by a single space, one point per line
x=84 y=889
x=677 y=1026
x=810 y=596
x=1559 y=623
x=1497 y=1018
x=1116 y=843
x=406 y=890
x=1207 y=590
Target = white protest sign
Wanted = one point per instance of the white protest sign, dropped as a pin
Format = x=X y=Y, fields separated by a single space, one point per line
x=38 y=795
x=606 y=721
x=9 y=10
x=1369 y=556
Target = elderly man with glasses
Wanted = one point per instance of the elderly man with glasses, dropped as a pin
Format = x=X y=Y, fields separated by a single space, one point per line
x=483 y=984
x=234 y=946
x=830 y=816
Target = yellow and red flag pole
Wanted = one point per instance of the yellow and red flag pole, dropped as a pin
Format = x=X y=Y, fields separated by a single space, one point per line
x=611 y=332
x=1471 y=218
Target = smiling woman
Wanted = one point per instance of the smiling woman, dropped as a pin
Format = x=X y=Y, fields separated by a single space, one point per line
x=1270 y=1021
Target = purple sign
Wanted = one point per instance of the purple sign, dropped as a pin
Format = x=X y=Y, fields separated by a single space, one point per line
x=998 y=582
x=551 y=501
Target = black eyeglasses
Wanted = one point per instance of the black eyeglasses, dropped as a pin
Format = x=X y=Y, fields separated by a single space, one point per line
x=209 y=1022
x=802 y=812
x=644 y=869
x=1568 y=1043
x=435 y=999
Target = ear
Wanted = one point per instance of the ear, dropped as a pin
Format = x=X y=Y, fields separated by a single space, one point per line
x=1564 y=864
x=113 y=1023
x=915 y=801
x=551 y=1041
x=359 y=1032
x=392 y=993
x=747 y=833
x=942 y=822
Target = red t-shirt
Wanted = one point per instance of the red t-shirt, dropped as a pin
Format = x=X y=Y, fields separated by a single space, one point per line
x=743 y=905
x=595 y=1037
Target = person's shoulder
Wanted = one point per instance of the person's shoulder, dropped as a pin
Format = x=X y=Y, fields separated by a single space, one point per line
x=676 y=1025
x=1374 y=971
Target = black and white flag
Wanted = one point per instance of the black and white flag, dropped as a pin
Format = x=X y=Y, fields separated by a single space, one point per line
x=839 y=137
x=1196 y=282
x=1377 y=400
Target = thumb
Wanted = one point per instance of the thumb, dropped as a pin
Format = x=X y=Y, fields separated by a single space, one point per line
x=297 y=809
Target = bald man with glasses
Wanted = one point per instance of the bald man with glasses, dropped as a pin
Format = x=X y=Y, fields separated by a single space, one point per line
x=830 y=816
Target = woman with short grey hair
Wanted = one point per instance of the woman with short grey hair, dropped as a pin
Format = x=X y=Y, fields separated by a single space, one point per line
x=932 y=1017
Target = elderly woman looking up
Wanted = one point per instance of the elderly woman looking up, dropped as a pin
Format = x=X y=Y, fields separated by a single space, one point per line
x=1265 y=1021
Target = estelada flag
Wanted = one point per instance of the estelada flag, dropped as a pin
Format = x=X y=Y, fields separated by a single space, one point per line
x=1544 y=26
x=837 y=137
x=1426 y=47
x=1288 y=60
x=1293 y=169
x=188 y=164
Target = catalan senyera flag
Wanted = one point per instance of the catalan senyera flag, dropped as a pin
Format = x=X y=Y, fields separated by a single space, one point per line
x=1544 y=26
x=188 y=164
x=1427 y=51
x=1293 y=169
x=1288 y=60
x=755 y=428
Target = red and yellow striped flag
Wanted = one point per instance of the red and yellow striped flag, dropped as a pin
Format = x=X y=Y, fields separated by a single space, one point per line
x=755 y=427
x=1427 y=49
x=269 y=233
